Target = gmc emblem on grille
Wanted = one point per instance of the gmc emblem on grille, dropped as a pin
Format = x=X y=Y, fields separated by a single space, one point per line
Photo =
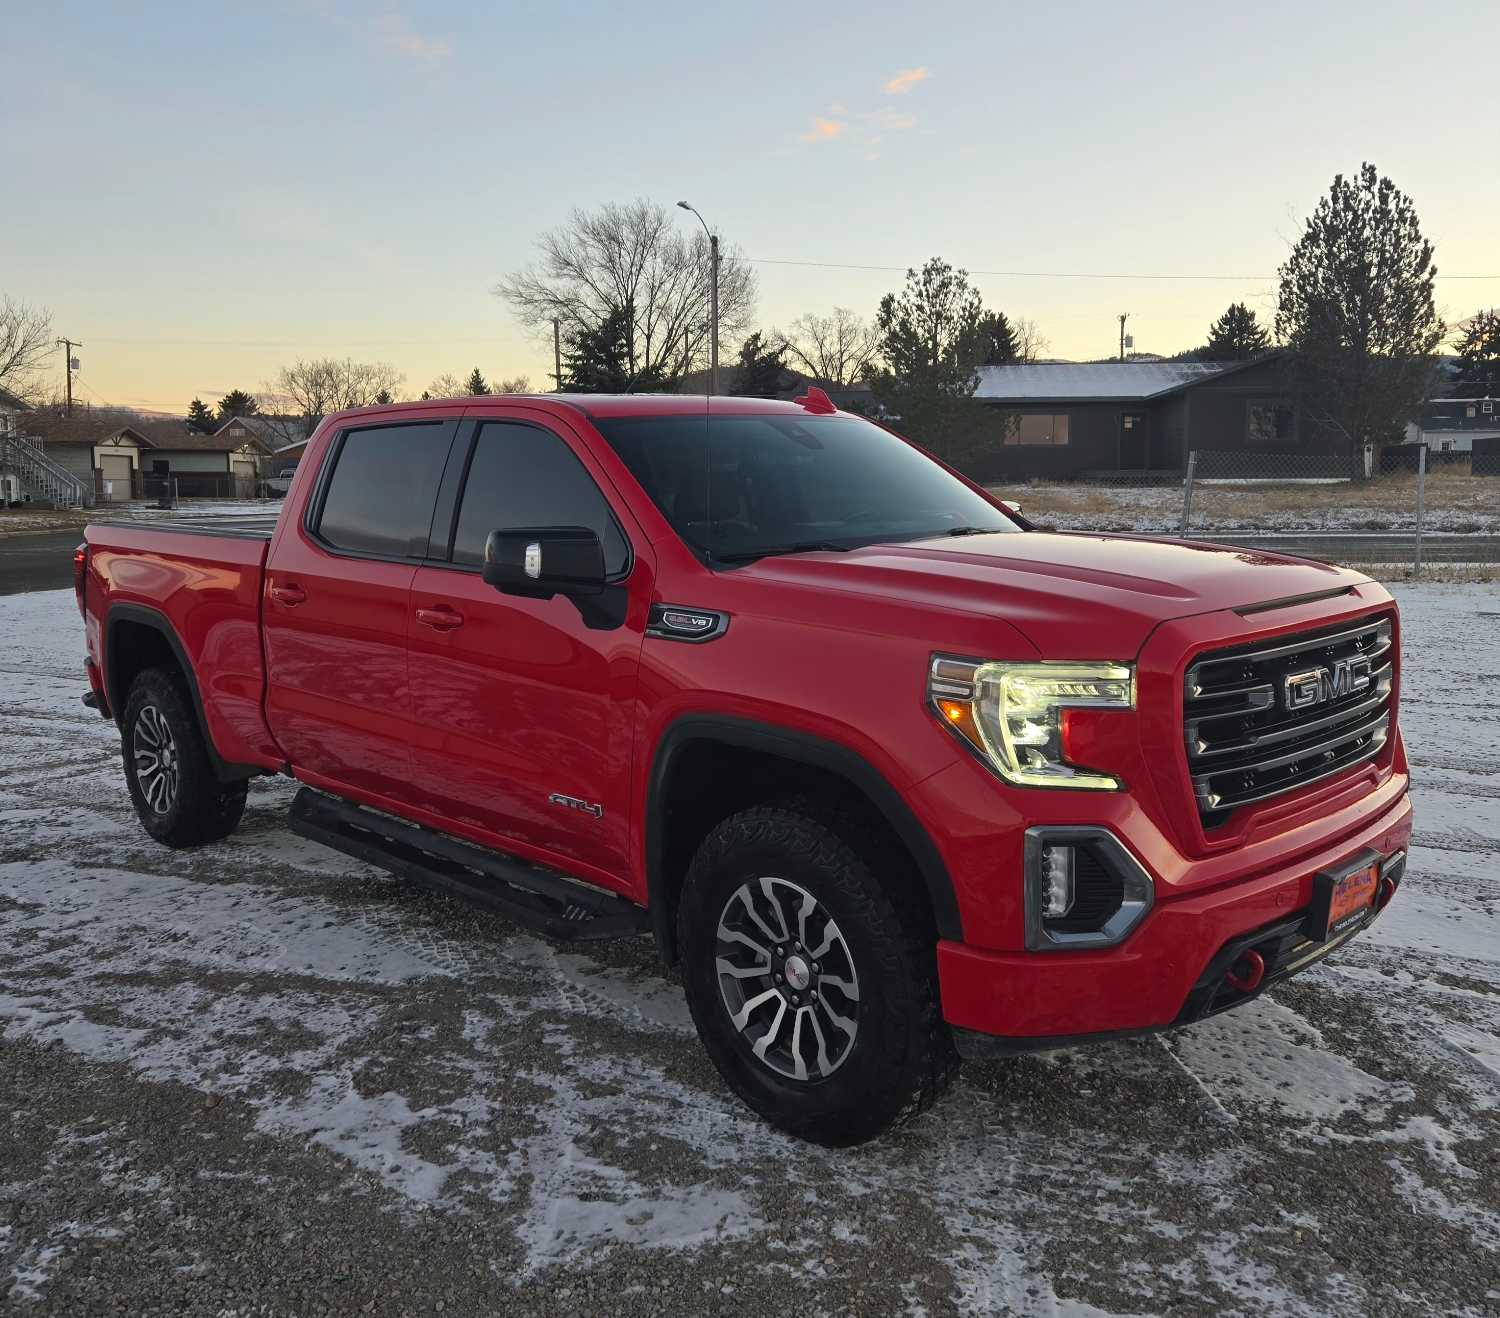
x=1317 y=686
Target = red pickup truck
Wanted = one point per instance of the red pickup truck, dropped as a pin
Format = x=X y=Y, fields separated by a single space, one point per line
x=894 y=777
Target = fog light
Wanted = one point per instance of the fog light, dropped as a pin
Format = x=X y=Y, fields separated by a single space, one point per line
x=1057 y=881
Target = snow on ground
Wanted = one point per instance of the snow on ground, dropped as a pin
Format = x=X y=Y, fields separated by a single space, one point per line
x=201 y=1051
x=1453 y=505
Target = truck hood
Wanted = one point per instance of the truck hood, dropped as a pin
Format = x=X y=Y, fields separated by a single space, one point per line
x=1073 y=595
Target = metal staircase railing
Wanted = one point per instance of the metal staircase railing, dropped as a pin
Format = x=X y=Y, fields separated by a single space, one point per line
x=46 y=478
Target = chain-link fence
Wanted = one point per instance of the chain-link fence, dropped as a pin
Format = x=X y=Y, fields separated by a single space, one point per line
x=1404 y=508
x=172 y=489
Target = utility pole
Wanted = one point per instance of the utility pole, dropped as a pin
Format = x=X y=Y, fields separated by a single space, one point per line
x=557 y=355
x=713 y=314
x=67 y=346
x=713 y=300
x=1123 y=318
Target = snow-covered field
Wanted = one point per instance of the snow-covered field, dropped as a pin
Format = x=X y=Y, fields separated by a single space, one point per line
x=1452 y=505
x=263 y=1078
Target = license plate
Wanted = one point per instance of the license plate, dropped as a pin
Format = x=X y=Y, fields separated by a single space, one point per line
x=1343 y=899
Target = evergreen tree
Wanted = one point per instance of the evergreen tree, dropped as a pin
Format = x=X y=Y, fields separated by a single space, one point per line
x=1479 y=357
x=476 y=384
x=1356 y=309
x=200 y=417
x=236 y=403
x=1001 y=347
x=597 y=360
x=383 y=398
x=934 y=335
x=762 y=367
x=1236 y=336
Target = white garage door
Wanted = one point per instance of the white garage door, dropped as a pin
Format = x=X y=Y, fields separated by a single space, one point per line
x=116 y=471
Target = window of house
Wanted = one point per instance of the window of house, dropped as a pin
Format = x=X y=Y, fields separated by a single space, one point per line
x=523 y=475
x=1035 y=428
x=1469 y=410
x=1268 y=422
x=1487 y=407
x=382 y=490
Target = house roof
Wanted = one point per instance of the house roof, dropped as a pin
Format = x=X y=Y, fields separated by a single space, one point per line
x=10 y=400
x=91 y=428
x=273 y=432
x=1095 y=381
x=221 y=441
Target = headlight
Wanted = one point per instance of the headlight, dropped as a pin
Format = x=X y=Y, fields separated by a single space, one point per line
x=1014 y=714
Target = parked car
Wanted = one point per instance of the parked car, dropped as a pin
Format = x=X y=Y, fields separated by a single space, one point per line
x=280 y=481
x=892 y=778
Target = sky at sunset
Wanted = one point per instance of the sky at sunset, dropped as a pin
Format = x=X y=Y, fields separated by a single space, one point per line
x=201 y=193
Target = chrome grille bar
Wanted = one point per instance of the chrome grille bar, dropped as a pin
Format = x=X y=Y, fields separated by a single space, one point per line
x=1261 y=721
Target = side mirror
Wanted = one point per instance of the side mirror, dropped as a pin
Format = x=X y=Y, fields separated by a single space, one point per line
x=542 y=561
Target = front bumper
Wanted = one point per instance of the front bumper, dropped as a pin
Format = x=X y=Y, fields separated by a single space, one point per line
x=1169 y=971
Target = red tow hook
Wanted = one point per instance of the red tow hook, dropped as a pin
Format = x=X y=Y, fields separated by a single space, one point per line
x=1248 y=979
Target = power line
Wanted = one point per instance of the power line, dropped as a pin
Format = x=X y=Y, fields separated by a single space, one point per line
x=1041 y=274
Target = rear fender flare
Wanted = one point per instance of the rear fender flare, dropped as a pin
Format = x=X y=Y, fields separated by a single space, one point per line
x=224 y=770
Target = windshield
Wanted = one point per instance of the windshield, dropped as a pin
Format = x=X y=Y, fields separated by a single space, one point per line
x=778 y=484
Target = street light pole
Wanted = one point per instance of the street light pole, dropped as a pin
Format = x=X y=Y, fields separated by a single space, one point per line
x=713 y=300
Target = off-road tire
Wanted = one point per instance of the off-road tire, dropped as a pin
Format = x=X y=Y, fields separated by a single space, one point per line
x=201 y=809
x=902 y=1057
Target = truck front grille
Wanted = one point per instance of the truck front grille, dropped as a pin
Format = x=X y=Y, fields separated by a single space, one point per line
x=1267 y=719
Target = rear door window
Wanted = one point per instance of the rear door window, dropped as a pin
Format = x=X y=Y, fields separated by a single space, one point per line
x=524 y=476
x=380 y=494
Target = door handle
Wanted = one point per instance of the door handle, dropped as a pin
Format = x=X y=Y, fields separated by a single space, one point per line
x=440 y=619
x=288 y=595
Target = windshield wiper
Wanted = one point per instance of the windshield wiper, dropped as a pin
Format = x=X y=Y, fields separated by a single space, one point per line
x=971 y=530
x=798 y=547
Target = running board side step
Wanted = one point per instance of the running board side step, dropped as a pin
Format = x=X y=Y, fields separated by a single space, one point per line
x=539 y=898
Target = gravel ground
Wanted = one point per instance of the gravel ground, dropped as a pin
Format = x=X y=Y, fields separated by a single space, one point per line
x=263 y=1079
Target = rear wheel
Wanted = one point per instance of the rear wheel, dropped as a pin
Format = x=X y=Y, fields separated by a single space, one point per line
x=812 y=989
x=177 y=796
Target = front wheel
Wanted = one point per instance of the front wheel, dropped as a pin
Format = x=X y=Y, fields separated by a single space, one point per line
x=812 y=989
x=177 y=796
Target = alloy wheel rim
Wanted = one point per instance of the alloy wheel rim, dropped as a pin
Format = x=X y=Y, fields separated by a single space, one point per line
x=158 y=766
x=787 y=978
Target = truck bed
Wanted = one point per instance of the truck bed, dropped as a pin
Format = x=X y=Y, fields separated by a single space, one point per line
x=193 y=584
x=242 y=526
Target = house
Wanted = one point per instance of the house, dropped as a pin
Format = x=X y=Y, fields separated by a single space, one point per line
x=1451 y=425
x=226 y=464
x=15 y=460
x=100 y=457
x=1065 y=420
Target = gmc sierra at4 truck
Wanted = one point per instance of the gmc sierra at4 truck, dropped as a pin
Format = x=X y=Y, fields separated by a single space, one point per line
x=893 y=777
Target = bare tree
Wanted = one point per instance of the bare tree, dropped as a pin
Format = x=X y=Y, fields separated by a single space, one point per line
x=312 y=389
x=839 y=347
x=25 y=340
x=447 y=385
x=634 y=260
x=517 y=384
x=1031 y=343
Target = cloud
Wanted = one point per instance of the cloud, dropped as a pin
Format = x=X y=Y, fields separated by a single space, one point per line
x=397 y=36
x=894 y=121
x=824 y=130
x=904 y=81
